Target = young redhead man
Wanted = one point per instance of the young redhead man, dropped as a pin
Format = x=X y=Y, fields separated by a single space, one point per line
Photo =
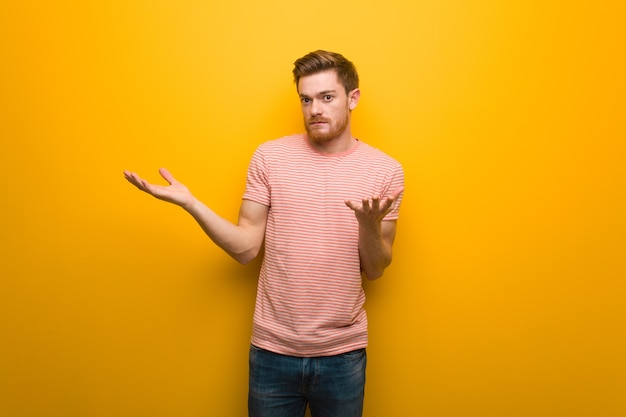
x=325 y=205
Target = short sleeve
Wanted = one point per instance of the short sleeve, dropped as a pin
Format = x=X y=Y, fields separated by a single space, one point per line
x=257 y=184
x=395 y=181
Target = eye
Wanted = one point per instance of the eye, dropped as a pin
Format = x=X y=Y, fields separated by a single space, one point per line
x=305 y=100
x=328 y=97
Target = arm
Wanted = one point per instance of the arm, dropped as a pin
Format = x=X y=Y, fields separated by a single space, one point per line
x=375 y=248
x=376 y=235
x=242 y=241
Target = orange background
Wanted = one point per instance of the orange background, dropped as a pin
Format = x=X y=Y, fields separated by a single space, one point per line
x=506 y=295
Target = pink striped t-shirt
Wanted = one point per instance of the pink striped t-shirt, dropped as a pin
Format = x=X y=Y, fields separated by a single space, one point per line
x=310 y=296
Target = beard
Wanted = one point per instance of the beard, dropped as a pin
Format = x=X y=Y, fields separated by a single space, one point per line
x=335 y=129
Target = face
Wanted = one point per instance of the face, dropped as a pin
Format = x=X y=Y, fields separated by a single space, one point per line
x=326 y=107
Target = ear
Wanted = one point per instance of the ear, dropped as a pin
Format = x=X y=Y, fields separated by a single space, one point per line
x=353 y=98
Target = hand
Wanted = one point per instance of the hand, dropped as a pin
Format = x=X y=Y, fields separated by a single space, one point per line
x=374 y=209
x=175 y=193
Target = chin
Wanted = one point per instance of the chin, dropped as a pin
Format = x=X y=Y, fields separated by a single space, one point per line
x=319 y=138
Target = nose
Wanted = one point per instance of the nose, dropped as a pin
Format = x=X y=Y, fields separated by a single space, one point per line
x=316 y=108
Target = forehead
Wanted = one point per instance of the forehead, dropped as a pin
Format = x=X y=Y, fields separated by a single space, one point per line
x=325 y=81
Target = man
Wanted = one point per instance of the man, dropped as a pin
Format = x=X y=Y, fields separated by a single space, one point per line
x=325 y=204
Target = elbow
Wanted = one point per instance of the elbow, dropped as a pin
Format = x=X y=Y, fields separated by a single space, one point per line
x=245 y=257
x=244 y=260
x=373 y=276
x=374 y=272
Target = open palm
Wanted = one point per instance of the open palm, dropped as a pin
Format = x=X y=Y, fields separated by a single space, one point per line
x=175 y=192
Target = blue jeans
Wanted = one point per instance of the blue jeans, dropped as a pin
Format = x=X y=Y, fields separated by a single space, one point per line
x=282 y=386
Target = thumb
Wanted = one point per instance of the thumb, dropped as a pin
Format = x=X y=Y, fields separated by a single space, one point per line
x=396 y=193
x=167 y=175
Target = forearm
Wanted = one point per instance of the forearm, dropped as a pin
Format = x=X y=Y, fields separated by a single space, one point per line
x=374 y=250
x=238 y=240
x=376 y=235
x=242 y=241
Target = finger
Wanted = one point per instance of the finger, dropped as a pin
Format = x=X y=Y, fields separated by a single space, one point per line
x=351 y=205
x=130 y=176
x=396 y=193
x=133 y=179
x=390 y=201
x=366 y=204
x=387 y=205
x=167 y=175
x=376 y=202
